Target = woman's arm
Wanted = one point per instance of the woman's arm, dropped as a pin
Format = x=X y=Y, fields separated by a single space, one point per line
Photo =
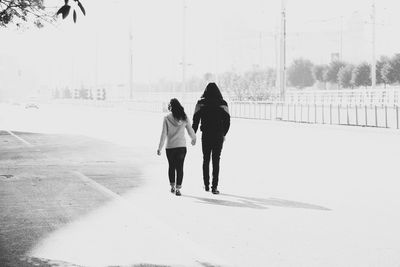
x=191 y=132
x=163 y=136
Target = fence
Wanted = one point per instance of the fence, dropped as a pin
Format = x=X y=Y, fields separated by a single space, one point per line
x=335 y=114
x=338 y=114
x=382 y=97
x=338 y=111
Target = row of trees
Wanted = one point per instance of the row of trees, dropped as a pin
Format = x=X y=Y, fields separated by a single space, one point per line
x=251 y=85
x=256 y=84
x=303 y=73
x=260 y=84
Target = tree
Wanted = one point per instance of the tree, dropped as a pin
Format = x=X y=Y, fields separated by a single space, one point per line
x=318 y=73
x=395 y=62
x=361 y=75
x=379 y=65
x=234 y=83
x=271 y=77
x=387 y=73
x=257 y=83
x=300 y=73
x=19 y=12
x=331 y=73
x=345 y=75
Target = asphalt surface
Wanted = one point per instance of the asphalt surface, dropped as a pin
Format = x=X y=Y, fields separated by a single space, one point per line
x=40 y=191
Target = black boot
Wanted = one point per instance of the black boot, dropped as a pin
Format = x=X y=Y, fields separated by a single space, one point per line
x=214 y=191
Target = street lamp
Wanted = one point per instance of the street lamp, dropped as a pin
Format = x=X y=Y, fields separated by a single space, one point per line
x=184 y=49
x=373 y=63
x=283 y=52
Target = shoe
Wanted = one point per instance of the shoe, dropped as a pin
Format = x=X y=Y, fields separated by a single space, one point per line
x=215 y=191
x=178 y=193
x=207 y=188
x=172 y=190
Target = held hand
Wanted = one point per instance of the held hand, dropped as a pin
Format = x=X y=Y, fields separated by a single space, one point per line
x=158 y=152
x=193 y=142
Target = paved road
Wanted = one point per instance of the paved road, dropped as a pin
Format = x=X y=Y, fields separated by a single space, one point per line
x=41 y=189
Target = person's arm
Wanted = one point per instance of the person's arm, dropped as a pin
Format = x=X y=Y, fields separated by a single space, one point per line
x=191 y=132
x=226 y=118
x=162 y=137
x=196 y=116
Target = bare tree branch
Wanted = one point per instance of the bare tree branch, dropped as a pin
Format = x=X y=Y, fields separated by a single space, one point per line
x=18 y=12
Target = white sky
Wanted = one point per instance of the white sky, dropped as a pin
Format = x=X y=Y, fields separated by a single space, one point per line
x=221 y=35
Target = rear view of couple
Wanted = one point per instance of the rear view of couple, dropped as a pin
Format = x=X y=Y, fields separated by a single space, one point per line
x=212 y=113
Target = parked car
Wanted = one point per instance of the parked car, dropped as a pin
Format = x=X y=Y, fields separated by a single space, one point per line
x=32 y=105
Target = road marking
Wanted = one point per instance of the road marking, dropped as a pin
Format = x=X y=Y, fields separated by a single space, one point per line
x=97 y=186
x=20 y=139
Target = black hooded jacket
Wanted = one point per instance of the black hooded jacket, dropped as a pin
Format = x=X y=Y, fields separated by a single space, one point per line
x=214 y=116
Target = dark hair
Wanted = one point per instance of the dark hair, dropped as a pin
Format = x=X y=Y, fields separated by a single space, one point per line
x=212 y=92
x=177 y=110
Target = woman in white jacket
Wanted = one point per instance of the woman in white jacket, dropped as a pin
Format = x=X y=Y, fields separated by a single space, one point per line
x=173 y=131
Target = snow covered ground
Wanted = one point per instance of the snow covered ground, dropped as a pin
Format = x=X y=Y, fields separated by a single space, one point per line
x=291 y=195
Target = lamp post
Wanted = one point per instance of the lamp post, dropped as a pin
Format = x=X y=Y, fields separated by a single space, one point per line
x=373 y=63
x=130 y=60
x=184 y=49
x=283 y=52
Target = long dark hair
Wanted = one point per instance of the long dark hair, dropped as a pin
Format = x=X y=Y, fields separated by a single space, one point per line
x=212 y=92
x=177 y=110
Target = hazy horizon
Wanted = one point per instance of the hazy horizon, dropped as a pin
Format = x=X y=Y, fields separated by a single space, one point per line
x=220 y=36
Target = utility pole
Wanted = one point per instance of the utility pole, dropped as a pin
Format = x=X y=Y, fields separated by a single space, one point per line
x=216 y=56
x=96 y=66
x=261 y=50
x=130 y=59
x=276 y=52
x=341 y=39
x=283 y=52
x=373 y=63
x=184 y=49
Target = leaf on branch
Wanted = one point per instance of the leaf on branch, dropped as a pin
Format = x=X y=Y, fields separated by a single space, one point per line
x=39 y=24
x=74 y=16
x=64 y=10
x=82 y=8
x=60 y=11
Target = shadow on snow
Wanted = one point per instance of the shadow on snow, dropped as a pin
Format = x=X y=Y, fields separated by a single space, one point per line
x=256 y=203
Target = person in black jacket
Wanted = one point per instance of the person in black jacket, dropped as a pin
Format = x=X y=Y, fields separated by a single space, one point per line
x=212 y=111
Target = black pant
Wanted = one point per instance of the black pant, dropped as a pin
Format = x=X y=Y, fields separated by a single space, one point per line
x=212 y=147
x=176 y=158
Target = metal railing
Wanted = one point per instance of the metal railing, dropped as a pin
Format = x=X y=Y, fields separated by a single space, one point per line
x=380 y=116
x=367 y=115
x=335 y=114
x=383 y=97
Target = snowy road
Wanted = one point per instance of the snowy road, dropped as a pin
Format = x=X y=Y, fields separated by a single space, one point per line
x=292 y=195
